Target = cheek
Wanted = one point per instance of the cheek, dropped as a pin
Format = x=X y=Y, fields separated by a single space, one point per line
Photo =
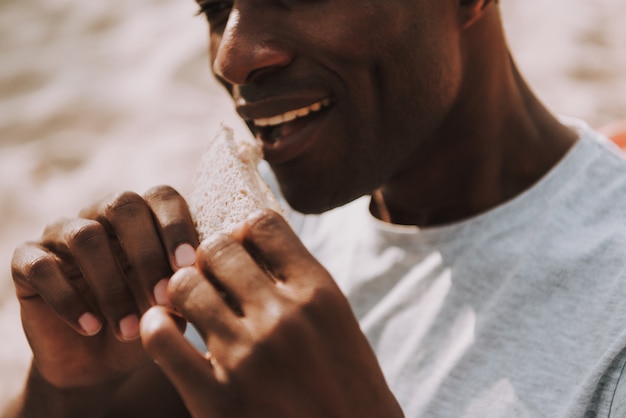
x=423 y=79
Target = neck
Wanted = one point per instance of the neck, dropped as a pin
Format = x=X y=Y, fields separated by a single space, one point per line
x=497 y=141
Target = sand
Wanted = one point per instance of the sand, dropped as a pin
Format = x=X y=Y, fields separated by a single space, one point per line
x=100 y=97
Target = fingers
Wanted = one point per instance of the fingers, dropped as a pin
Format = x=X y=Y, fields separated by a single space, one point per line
x=155 y=235
x=243 y=268
x=174 y=224
x=268 y=237
x=111 y=265
x=132 y=221
x=247 y=287
x=89 y=244
x=91 y=268
x=36 y=273
x=187 y=369
x=206 y=307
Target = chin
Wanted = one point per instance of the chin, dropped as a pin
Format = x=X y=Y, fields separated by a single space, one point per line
x=316 y=202
x=305 y=204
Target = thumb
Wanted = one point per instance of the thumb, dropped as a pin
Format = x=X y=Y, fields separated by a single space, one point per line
x=188 y=370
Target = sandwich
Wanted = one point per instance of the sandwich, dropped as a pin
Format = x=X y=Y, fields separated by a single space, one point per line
x=228 y=186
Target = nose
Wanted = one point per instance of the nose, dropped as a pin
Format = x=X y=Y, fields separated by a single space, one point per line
x=248 y=48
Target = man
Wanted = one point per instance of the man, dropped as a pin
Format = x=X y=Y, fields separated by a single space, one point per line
x=486 y=269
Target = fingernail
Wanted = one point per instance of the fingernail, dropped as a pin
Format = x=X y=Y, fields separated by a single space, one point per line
x=184 y=256
x=160 y=293
x=129 y=327
x=89 y=323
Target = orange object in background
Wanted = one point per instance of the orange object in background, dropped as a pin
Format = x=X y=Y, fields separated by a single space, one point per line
x=616 y=132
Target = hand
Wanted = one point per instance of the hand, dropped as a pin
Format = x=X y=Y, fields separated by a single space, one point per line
x=282 y=339
x=85 y=283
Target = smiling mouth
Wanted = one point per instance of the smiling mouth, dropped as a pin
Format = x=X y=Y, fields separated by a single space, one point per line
x=273 y=128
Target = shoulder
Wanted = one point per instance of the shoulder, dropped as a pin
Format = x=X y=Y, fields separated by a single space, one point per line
x=593 y=183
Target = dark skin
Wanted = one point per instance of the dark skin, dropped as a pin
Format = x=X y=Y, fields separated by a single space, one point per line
x=105 y=264
x=421 y=105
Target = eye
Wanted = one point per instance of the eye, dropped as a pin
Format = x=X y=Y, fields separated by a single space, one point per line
x=214 y=10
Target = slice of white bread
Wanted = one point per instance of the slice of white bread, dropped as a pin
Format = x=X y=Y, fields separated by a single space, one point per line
x=228 y=186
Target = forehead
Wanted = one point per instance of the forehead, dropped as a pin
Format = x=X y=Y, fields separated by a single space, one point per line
x=351 y=10
x=362 y=19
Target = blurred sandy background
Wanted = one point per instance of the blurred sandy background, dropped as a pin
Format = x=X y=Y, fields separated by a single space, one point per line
x=99 y=97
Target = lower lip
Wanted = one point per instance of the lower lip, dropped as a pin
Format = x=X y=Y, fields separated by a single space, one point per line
x=300 y=134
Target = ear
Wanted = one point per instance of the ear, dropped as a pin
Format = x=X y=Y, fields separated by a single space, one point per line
x=470 y=11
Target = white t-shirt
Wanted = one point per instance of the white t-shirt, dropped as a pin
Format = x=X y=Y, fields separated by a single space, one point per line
x=520 y=311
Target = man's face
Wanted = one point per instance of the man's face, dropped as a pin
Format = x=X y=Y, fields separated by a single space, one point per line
x=368 y=82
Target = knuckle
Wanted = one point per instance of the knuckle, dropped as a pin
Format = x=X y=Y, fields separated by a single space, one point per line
x=18 y=263
x=323 y=304
x=124 y=204
x=293 y=325
x=171 y=213
x=20 y=252
x=162 y=193
x=85 y=235
x=268 y=220
x=35 y=268
x=217 y=247
x=52 y=229
x=271 y=340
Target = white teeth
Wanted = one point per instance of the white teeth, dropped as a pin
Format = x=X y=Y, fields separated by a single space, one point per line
x=292 y=114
